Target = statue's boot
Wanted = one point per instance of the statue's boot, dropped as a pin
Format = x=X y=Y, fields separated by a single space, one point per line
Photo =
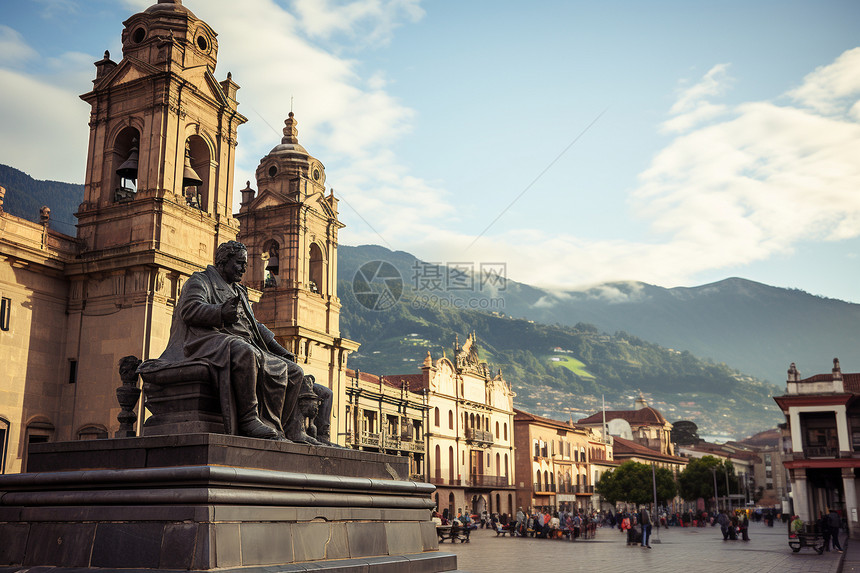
x=250 y=423
x=255 y=428
x=294 y=432
x=324 y=436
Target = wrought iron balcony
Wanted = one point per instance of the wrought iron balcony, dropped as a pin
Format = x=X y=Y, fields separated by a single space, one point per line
x=820 y=452
x=491 y=481
x=481 y=436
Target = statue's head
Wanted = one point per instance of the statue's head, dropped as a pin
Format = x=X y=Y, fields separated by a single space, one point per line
x=231 y=260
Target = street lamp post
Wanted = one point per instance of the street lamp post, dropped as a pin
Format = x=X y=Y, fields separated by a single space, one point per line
x=728 y=499
x=716 y=499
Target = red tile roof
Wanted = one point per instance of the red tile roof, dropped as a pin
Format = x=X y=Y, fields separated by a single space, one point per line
x=850 y=380
x=622 y=446
x=523 y=416
x=393 y=381
x=645 y=416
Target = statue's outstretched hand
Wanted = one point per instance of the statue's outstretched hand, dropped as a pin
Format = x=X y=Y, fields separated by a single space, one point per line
x=230 y=310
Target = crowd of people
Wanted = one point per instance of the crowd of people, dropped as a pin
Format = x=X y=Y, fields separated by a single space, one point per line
x=575 y=524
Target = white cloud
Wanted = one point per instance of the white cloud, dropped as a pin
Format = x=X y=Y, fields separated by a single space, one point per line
x=13 y=49
x=57 y=8
x=692 y=107
x=828 y=88
x=364 y=22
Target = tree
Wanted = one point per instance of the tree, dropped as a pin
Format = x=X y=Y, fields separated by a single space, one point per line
x=633 y=482
x=685 y=433
x=697 y=479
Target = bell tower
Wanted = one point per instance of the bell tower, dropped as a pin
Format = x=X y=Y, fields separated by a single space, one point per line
x=290 y=229
x=157 y=198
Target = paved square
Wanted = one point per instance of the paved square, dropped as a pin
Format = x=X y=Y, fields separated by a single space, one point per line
x=680 y=550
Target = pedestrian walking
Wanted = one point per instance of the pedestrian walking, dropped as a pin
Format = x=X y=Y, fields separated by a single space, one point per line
x=646 y=523
x=835 y=523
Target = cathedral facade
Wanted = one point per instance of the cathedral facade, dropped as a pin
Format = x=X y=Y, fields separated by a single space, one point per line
x=158 y=200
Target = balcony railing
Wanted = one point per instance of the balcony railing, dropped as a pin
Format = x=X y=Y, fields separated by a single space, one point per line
x=482 y=436
x=584 y=489
x=368 y=439
x=820 y=452
x=544 y=488
x=482 y=480
x=444 y=481
x=375 y=440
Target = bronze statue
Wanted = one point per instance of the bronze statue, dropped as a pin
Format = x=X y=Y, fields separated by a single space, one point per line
x=259 y=381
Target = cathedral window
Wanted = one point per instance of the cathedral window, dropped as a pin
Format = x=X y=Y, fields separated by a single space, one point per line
x=271 y=256
x=5 y=313
x=195 y=177
x=4 y=443
x=124 y=160
x=316 y=279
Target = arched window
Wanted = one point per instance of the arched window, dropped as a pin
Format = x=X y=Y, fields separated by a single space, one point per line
x=506 y=465
x=436 y=416
x=198 y=194
x=93 y=432
x=537 y=481
x=271 y=261
x=438 y=470
x=497 y=430
x=4 y=443
x=506 y=430
x=451 y=505
x=546 y=479
x=472 y=421
x=450 y=419
x=124 y=166
x=39 y=430
x=498 y=465
x=451 y=464
x=537 y=448
x=316 y=282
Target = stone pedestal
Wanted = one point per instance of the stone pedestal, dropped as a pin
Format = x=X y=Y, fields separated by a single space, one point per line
x=210 y=501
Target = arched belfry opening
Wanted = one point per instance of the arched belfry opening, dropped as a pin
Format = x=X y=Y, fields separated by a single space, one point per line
x=196 y=174
x=272 y=263
x=123 y=165
x=316 y=264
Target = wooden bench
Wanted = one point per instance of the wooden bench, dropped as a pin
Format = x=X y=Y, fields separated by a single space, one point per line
x=453 y=532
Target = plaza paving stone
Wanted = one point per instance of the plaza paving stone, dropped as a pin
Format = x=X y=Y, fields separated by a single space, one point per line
x=680 y=550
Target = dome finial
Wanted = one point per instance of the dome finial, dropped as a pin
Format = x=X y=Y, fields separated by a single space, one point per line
x=291 y=133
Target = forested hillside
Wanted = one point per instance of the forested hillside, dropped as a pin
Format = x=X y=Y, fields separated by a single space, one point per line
x=560 y=371
x=25 y=196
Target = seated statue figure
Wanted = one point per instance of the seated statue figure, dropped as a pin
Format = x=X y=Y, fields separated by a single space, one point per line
x=258 y=380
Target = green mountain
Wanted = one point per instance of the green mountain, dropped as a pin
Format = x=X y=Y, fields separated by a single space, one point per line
x=557 y=371
x=25 y=196
x=756 y=328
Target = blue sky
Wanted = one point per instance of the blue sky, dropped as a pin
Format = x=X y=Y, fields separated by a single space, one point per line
x=676 y=143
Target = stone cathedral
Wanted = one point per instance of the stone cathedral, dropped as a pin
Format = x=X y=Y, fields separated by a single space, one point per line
x=158 y=201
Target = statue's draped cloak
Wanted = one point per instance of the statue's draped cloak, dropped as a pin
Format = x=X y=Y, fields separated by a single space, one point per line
x=198 y=337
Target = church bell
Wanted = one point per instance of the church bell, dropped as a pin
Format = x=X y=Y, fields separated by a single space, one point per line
x=189 y=176
x=128 y=170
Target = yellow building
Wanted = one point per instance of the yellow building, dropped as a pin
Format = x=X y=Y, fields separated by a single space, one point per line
x=384 y=414
x=157 y=202
x=470 y=440
x=554 y=462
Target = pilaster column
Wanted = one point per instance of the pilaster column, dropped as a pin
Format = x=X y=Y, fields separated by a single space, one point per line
x=800 y=494
x=842 y=429
x=850 y=501
x=796 y=433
